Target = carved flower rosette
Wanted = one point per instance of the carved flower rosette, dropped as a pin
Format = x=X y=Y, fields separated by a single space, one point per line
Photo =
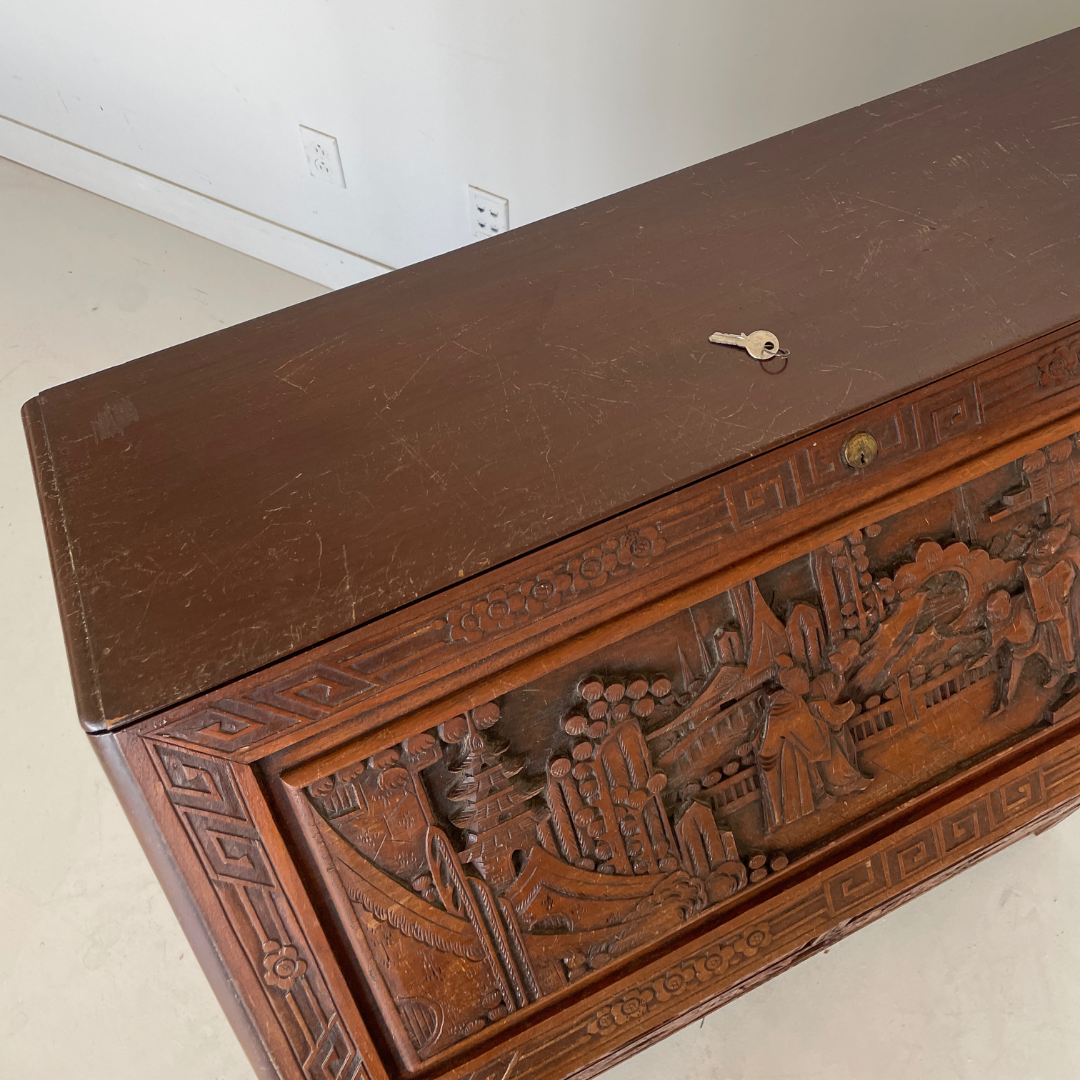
x=281 y=965
x=1057 y=366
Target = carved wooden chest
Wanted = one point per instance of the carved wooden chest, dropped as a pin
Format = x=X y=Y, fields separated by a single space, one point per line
x=500 y=675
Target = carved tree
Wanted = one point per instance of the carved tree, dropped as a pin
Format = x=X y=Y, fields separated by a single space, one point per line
x=605 y=799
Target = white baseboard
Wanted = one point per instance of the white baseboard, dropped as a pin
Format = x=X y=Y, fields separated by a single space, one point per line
x=276 y=244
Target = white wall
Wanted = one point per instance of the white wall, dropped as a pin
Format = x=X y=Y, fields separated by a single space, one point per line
x=550 y=104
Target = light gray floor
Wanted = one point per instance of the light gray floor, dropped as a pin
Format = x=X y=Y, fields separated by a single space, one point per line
x=979 y=978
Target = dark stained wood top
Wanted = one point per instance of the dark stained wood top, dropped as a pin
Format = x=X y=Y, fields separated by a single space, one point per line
x=281 y=481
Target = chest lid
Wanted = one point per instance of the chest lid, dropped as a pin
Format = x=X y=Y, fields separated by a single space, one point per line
x=224 y=503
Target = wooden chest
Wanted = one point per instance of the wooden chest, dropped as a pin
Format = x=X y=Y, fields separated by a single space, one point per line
x=499 y=674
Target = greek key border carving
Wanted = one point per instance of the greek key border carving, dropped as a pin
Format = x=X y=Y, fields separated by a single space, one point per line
x=211 y=808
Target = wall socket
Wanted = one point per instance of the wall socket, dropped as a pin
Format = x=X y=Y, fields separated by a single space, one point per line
x=488 y=214
x=323 y=158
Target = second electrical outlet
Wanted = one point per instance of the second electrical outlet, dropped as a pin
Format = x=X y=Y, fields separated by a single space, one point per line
x=488 y=214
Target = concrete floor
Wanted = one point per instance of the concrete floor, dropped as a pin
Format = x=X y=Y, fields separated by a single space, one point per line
x=980 y=977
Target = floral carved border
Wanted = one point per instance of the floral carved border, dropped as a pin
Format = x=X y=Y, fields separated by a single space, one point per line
x=516 y=603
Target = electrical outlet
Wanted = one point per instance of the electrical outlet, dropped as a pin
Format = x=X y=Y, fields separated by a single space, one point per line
x=323 y=158
x=488 y=214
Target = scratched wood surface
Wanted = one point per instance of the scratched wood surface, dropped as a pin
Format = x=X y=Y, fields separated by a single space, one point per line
x=226 y=503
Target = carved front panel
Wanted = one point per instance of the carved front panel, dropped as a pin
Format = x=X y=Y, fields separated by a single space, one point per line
x=541 y=840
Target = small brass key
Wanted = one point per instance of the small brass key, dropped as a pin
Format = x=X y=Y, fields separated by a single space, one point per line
x=761 y=345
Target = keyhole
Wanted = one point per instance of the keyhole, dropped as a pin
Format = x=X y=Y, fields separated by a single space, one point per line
x=860 y=450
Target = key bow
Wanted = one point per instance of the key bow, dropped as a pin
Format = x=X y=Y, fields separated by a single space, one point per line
x=761 y=344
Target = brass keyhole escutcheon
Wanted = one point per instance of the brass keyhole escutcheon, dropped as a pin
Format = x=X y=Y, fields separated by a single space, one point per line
x=860 y=450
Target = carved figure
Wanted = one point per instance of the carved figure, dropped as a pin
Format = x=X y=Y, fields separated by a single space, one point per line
x=1013 y=626
x=1045 y=618
x=800 y=758
x=1050 y=573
